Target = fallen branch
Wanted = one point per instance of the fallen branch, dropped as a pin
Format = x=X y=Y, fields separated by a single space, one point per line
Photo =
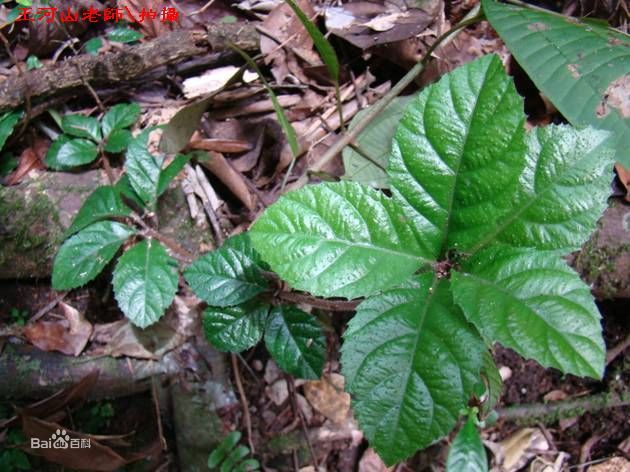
x=548 y=413
x=122 y=66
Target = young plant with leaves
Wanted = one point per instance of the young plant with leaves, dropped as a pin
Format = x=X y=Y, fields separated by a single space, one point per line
x=146 y=276
x=231 y=280
x=467 y=252
x=227 y=457
x=85 y=138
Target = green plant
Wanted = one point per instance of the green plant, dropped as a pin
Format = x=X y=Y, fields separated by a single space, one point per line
x=85 y=137
x=467 y=252
x=19 y=317
x=145 y=277
x=230 y=280
x=229 y=458
x=467 y=452
x=12 y=458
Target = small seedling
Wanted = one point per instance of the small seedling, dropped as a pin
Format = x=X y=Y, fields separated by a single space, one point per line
x=228 y=457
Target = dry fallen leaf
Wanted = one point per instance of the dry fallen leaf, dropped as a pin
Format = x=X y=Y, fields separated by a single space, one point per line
x=614 y=464
x=68 y=336
x=31 y=158
x=624 y=178
x=96 y=457
x=515 y=452
x=371 y=462
x=218 y=165
x=328 y=397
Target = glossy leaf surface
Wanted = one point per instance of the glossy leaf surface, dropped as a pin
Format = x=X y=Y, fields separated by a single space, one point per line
x=143 y=169
x=66 y=153
x=411 y=362
x=338 y=239
x=120 y=116
x=535 y=304
x=104 y=202
x=458 y=153
x=296 y=342
x=81 y=126
x=145 y=282
x=467 y=453
x=582 y=67
x=235 y=328
x=229 y=275
x=83 y=256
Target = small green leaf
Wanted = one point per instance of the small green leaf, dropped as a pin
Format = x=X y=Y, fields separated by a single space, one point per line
x=171 y=171
x=338 y=240
x=532 y=302
x=222 y=450
x=65 y=153
x=84 y=255
x=376 y=142
x=33 y=62
x=120 y=116
x=143 y=169
x=127 y=193
x=92 y=46
x=582 y=67
x=104 y=202
x=411 y=362
x=239 y=453
x=81 y=126
x=228 y=275
x=145 y=282
x=324 y=48
x=235 y=328
x=118 y=140
x=492 y=384
x=296 y=342
x=7 y=123
x=124 y=35
x=467 y=453
x=8 y=162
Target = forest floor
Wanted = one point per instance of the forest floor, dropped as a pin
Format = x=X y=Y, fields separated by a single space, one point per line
x=164 y=398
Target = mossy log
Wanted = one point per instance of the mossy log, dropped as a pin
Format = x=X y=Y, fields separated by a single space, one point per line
x=35 y=214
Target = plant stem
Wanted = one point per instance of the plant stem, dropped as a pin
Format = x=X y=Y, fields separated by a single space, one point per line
x=551 y=412
x=328 y=305
x=182 y=253
x=472 y=17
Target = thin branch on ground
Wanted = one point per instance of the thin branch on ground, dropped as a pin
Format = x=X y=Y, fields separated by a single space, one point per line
x=472 y=17
x=241 y=393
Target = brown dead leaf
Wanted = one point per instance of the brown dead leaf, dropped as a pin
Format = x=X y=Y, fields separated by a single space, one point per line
x=614 y=464
x=32 y=158
x=220 y=145
x=285 y=42
x=624 y=178
x=371 y=462
x=327 y=397
x=514 y=452
x=555 y=396
x=150 y=27
x=366 y=24
x=121 y=338
x=68 y=452
x=68 y=336
x=218 y=165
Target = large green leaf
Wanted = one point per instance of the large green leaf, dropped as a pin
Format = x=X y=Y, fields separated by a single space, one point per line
x=339 y=239
x=535 y=304
x=65 y=153
x=562 y=191
x=145 y=282
x=81 y=126
x=458 y=153
x=120 y=116
x=143 y=169
x=296 y=342
x=228 y=276
x=376 y=142
x=118 y=140
x=582 y=67
x=171 y=171
x=84 y=255
x=411 y=362
x=104 y=202
x=467 y=453
x=235 y=328
x=7 y=123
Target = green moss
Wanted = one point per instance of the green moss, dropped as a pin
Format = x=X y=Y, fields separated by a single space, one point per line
x=30 y=231
x=597 y=265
